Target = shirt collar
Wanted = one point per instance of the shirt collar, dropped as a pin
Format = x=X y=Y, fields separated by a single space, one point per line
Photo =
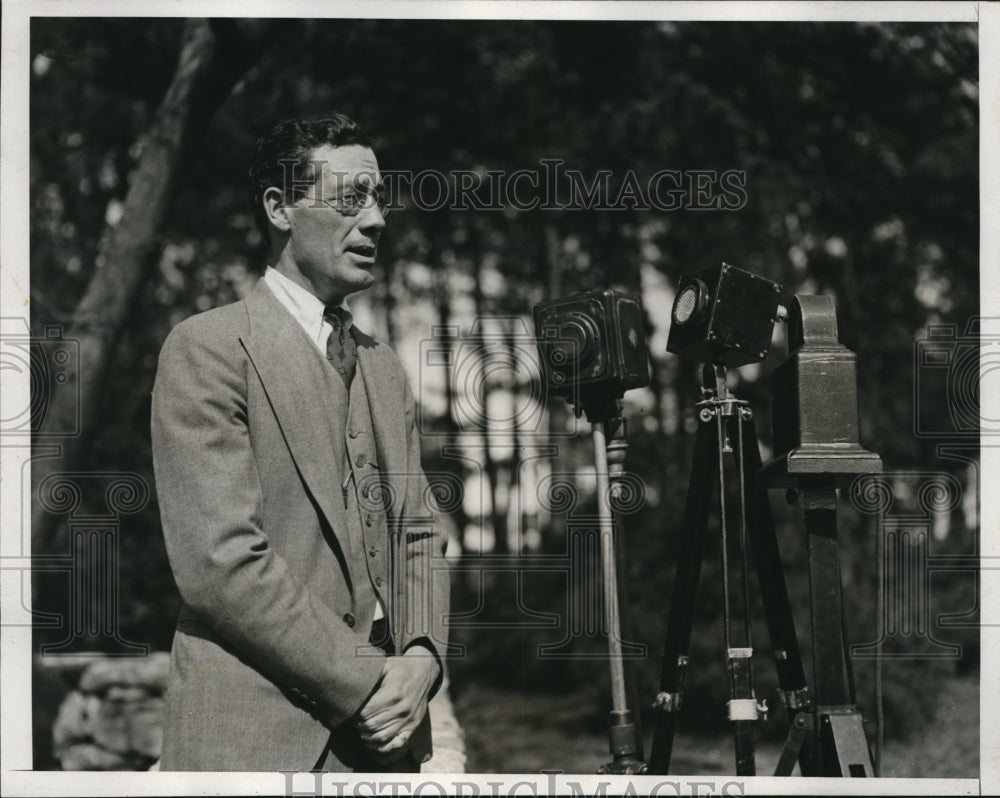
x=304 y=306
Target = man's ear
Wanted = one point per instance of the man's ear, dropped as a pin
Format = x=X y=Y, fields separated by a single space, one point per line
x=275 y=209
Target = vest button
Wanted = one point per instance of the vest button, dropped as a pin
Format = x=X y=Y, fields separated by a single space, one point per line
x=360 y=460
x=368 y=520
x=354 y=433
x=378 y=581
x=349 y=620
x=372 y=551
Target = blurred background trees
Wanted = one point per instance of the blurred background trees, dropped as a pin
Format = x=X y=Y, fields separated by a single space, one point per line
x=859 y=143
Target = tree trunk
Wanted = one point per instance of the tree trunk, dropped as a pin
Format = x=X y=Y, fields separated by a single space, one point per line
x=213 y=57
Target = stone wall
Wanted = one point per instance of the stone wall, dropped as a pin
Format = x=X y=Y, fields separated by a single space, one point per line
x=113 y=720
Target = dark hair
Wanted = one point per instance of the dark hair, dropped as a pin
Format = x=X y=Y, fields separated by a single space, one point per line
x=294 y=140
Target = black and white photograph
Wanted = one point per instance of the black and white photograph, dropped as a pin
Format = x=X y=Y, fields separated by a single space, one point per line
x=492 y=398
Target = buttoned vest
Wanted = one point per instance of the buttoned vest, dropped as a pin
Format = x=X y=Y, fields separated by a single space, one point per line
x=366 y=541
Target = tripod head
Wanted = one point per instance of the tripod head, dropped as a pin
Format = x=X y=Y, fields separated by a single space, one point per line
x=713 y=381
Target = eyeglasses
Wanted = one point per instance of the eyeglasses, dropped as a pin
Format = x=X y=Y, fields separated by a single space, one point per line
x=353 y=202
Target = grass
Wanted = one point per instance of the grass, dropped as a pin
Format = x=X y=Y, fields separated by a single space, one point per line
x=510 y=732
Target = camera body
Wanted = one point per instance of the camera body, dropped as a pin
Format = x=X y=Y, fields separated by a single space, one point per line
x=723 y=315
x=592 y=347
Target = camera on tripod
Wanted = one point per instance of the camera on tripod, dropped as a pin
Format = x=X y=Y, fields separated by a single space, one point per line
x=723 y=315
x=593 y=349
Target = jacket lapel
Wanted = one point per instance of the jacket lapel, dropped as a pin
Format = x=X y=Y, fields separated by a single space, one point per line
x=388 y=413
x=294 y=378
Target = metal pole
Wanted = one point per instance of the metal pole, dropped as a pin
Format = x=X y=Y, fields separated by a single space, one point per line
x=609 y=571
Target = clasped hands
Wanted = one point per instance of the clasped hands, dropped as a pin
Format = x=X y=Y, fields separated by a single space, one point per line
x=393 y=711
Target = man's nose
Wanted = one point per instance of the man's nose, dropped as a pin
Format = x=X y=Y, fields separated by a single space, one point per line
x=371 y=219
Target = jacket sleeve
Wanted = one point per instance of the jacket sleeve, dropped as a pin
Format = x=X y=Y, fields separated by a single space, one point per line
x=422 y=541
x=211 y=508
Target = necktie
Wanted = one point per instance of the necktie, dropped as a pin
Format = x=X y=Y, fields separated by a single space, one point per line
x=341 y=350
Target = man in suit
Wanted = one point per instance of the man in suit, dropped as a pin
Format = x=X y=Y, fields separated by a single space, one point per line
x=295 y=512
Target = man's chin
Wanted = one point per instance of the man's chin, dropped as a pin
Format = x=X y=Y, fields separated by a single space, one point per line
x=361 y=282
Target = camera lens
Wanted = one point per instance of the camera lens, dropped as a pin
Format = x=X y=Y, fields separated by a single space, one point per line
x=581 y=333
x=689 y=302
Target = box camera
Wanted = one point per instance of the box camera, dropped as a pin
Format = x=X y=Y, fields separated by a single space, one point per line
x=723 y=315
x=592 y=347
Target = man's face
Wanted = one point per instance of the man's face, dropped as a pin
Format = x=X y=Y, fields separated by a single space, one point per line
x=334 y=253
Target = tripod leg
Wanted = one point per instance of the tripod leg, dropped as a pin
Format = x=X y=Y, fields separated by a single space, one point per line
x=678 y=638
x=742 y=709
x=742 y=704
x=802 y=728
x=842 y=749
x=774 y=595
x=771 y=575
x=819 y=504
x=844 y=745
x=840 y=745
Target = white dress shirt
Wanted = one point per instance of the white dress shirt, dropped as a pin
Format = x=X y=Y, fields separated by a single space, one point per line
x=305 y=308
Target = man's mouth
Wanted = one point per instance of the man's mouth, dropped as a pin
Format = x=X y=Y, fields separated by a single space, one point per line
x=363 y=250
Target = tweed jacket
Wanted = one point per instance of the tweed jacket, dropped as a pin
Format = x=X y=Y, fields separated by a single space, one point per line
x=271 y=650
